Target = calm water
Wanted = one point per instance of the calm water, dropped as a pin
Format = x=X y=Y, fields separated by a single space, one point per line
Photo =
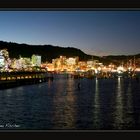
x=59 y=104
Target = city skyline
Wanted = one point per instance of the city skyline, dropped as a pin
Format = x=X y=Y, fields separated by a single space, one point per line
x=94 y=32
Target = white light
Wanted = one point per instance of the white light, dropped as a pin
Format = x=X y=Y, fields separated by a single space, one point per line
x=96 y=71
x=129 y=68
x=120 y=68
x=119 y=71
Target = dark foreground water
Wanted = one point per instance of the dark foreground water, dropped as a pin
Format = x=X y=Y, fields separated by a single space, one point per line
x=60 y=104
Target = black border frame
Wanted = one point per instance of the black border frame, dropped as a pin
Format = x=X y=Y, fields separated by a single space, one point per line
x=69 y=5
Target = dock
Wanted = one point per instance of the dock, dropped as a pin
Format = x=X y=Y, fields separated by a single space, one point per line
x=13 y=79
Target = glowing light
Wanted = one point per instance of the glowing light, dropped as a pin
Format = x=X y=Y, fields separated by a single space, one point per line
x=99 y=68
x=96 y=71
x=119 y=71
x=129 y=68
x=120 y=68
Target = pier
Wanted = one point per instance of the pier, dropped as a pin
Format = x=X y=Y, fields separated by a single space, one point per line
x=13 y=79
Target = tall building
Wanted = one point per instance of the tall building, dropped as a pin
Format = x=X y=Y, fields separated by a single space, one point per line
x=4 y=57
x=2 y=62
x=36 y=60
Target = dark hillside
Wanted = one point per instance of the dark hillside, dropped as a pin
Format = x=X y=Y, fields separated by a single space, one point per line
x=48 y=52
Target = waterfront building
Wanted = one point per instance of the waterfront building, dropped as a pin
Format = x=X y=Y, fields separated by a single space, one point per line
x=50 y=67
x=56 y=63
x=90 y=63
x=16 y=64
x=82 y=65
x=27 y=62
x=4 y=59
x=2 y=62
x=4 y=53
x=20 y=64
x=72 y=61
x=63 y=60
x=36 y=60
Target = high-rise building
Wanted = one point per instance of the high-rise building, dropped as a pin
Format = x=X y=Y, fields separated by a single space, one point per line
x=2 y=62
x=4 y=56
x=36 y=60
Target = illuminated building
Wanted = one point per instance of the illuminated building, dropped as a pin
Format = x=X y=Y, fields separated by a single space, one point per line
x=65 y=64
x=21 y=64
x=4 y=53
x=56 y=63
x=2 y=61
x=72 y=61
x=82 y=65
x=16 y=64
x=50 y=67
x=36 y=60
x=27 y=62
x=90 y=63
x=62 y=60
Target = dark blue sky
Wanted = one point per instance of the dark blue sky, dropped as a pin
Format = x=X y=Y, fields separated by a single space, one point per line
x=94 y=32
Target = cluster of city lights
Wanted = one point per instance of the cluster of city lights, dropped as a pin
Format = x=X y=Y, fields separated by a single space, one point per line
x=72 y=64
x=61 y=64
x=21 y=64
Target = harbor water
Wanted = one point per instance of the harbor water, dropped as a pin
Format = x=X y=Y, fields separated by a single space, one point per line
x=72 y=104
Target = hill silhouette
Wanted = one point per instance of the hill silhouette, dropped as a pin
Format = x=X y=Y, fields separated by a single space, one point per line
x=49 y=52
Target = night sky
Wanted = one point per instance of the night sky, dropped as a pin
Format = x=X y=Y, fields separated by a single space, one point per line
x=94 y=32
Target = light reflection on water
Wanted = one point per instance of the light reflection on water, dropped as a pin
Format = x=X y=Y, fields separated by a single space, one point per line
x=119 y=105
x=64 y=114
x=129 y=106
x=96 y=109
x=59 y=104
